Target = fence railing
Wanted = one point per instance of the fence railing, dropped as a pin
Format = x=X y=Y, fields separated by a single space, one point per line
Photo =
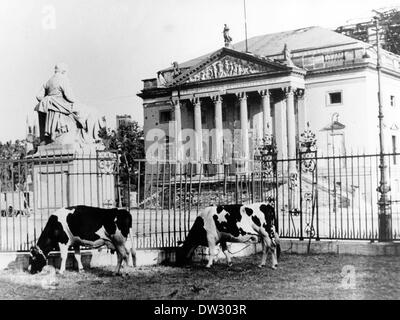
x=314 y=197
x=329 y=198
x=32 y=189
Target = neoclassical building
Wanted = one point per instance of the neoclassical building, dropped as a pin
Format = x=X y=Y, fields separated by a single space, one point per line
x=231 y=98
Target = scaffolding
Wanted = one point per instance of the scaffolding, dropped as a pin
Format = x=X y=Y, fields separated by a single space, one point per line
x=389 y=31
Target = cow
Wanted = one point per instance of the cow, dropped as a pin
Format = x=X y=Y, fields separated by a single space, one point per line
x=82 y=226
x=232 y=223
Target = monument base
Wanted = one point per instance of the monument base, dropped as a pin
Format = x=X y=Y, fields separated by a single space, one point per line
x=72 y=174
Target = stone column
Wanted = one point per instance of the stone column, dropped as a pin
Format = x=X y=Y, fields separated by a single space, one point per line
x=219 y=142
x=198 y=145
x=280 y=128
x=178 y=130
x=266 y=108
x=291 y=126
x=301 y=111
x=291 y=141
x=244 y=127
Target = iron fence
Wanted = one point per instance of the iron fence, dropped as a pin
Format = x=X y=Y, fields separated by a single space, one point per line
x=314 y=196
x=31 y=189
x=318 y=197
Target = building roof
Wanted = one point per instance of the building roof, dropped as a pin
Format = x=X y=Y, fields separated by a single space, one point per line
x=296 y=40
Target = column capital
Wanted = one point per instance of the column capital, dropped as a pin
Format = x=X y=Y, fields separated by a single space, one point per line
x=241 y=95
x=289 y=91
x=300 y=93
x=195 y=101
x=216 y=98
x=264 y=92
x=176 y=102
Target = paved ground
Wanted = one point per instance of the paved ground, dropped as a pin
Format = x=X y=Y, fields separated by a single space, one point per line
x=298 y=277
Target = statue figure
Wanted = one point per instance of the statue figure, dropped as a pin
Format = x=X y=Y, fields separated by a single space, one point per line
x=55 y=105
x=287 y=56
x=226 y=67
x=215 y=71
x=227 y=38
x=58 y=121
x=175 y=66
x=220 y=71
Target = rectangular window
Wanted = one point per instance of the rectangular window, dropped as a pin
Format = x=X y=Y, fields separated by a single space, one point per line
x=334 y=98
x=394 y=149
x=392 y=101
x=165 y=116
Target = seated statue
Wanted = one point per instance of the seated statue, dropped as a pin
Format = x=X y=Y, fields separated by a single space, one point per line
x=58 y=121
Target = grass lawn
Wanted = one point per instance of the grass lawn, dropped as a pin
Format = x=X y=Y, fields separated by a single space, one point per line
x=297 y=277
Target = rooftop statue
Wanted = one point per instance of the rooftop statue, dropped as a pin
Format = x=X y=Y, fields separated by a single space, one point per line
x=59 y=122
x=287 y=56
x=227 y=38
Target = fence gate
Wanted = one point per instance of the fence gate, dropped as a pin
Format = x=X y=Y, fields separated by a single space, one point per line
x=296 y=192
x=308 y=181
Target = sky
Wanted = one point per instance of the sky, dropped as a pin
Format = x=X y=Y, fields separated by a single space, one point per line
x=110 y=46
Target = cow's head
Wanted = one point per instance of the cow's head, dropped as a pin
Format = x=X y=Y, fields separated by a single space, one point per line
x=197 y=236
x=181 y=255
x=52 y=234
x=37 y=260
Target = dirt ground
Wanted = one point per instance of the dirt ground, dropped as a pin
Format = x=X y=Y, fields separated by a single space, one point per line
x=297 y=277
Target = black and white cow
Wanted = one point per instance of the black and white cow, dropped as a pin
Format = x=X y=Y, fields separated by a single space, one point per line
x=82 y=226
x=232 y=223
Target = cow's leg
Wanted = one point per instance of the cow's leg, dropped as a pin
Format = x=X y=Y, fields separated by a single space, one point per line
x=211 y=245
x=269 y=246
x=64 y=255
x=122 y=255
x=274 y=248
x=122 y=252
x=226 y=253
x=77 y=254
x=274 y=257
x=266 y=245
x=264 y=251
x=119 y=263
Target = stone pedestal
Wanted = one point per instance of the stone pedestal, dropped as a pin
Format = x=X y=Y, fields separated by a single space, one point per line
x=69 y=175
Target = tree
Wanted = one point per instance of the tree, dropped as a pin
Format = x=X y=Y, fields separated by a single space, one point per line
x=12 y=171
x=129 y=142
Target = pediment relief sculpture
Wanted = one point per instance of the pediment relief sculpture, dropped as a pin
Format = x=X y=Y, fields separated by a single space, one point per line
x=228 y=67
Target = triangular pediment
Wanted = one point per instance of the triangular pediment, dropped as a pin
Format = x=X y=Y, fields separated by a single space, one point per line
x=227 y=63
